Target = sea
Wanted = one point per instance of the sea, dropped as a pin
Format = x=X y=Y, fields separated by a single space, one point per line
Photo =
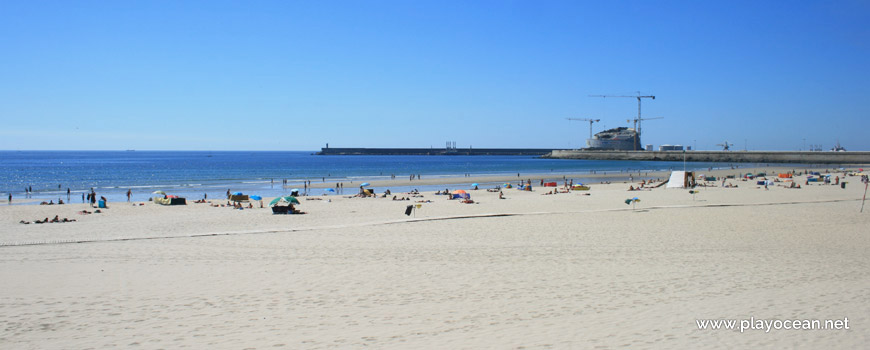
x=197 y=174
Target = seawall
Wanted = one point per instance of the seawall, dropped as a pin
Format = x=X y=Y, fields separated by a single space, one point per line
x=437 y=151
x=720 y=156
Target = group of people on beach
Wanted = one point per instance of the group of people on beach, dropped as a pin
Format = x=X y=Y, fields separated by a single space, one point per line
x=46 y=220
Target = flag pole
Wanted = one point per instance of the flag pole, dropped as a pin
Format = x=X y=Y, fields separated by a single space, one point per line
x=865 y=196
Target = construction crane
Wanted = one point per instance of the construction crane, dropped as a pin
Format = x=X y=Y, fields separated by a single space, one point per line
x=586 y=120
x=725 y=146
x=638 y=97
x=638 y=120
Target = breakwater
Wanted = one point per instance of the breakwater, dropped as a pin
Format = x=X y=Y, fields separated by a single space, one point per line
x=720 y=156
x=437 y=151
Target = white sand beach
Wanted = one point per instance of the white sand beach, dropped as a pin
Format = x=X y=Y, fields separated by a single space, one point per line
x=577 y=270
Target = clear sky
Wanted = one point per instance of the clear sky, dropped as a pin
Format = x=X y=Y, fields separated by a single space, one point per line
x=294 y=75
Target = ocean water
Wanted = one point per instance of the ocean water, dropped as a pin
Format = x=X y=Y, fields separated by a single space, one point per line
x=196 y=173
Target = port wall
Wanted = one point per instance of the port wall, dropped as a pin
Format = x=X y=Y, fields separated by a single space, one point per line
x=437 y=151
x=720 y=156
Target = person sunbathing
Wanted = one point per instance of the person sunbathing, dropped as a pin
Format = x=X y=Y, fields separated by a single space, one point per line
x=293 y=210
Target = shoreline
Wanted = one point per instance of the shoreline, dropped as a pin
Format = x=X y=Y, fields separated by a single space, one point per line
x=266 y=188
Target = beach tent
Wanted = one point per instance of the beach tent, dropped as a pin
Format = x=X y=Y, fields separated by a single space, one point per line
x=681 y=179
x=169 y=200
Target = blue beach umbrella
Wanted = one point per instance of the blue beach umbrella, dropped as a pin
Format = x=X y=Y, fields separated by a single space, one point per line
x=364 y=184
x=474 y=184
x=632 y=201
x=237 y=193
x=329 y=190
x=256 y=197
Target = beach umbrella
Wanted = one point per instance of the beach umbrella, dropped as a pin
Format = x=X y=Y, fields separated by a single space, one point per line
x=237 y=193
x=632 y=201
x=286 y=199
x=294 y=190
x=459 y=192
x=364 y=184
x=159 y=192
x=693 y=192
x=474 y=184
x=256 y=197
x=329 y=190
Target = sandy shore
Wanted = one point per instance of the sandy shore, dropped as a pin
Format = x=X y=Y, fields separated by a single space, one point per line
x=529 y=271
x=596 y=177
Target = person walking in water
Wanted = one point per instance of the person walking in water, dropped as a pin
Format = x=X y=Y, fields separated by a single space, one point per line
x=129 y=193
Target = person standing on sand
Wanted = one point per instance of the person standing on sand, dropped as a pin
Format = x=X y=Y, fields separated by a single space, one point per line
x=67 y=194
x=10 y=197
x=129 y=193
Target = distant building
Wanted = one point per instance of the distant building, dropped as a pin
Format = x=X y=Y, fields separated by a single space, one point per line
x=649 y=147
x=688 y=148
x=671 y=148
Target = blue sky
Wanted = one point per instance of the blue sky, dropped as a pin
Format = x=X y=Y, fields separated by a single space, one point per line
x=282 y=75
